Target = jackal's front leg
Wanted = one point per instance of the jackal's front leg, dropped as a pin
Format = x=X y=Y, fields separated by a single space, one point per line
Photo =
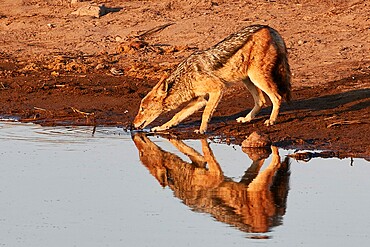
x=197 y=159
x=214 y=99
x=192 y=107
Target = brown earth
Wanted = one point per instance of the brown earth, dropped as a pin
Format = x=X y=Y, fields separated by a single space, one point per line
x=61 y=69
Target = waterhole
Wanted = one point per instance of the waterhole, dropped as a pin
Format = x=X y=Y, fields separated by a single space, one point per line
x=79 y=186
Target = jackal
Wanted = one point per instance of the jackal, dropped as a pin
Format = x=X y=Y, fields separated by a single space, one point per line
x=256 y=55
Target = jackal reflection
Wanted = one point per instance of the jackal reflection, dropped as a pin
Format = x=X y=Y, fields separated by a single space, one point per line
x=254 y=205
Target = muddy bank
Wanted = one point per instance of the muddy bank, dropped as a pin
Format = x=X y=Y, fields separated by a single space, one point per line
x=334 y=116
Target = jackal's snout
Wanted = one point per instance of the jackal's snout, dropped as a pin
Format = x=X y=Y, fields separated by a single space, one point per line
x=138 y=125
x=139 y=121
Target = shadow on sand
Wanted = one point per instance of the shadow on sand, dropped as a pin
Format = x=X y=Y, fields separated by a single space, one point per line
x=315 y=106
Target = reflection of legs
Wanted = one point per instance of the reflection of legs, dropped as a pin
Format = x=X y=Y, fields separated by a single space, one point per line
x=192 y=107
x=193 y=155
x=259 y=101
x=209 y=157
x=264 y=179
x=252 y=172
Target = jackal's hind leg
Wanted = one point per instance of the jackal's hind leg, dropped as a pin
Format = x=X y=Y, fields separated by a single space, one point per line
x=265 y=82
x=259 y=101
x=188 y=110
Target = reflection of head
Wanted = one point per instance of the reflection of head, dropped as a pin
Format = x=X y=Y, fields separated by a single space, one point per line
x=152 y=157
x=255 y=204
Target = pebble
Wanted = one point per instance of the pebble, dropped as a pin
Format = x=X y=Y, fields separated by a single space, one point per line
x=100 y=66
x=118 y=39
x=115 y=71
x=50 y=25
x=256 y=140
x=91 y=10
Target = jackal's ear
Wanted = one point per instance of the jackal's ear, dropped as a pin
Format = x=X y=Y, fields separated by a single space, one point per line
x=162 y=85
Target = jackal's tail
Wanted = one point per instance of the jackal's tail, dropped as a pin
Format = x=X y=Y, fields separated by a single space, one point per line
x=282 y=76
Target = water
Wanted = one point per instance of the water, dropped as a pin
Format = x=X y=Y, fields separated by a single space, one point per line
x=63 y=186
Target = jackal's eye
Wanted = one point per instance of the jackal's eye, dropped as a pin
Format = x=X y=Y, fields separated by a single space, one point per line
x=142 y=108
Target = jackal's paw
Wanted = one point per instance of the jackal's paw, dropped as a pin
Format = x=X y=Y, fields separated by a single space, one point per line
x=159 y=128
x=269 y=122
x=243 y=119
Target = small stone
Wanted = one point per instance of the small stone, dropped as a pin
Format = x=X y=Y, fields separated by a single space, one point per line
x=91 y=10
x=50 y=25
x=115 y=71
x=256 y=140
x=100 y=66
x=118 y=38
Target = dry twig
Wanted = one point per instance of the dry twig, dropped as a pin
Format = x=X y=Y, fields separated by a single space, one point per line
x=85 y=114
x=39 y=109
x=153 y=30
x=344 y=122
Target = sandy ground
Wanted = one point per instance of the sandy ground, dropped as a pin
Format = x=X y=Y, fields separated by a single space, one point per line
x=57 y=67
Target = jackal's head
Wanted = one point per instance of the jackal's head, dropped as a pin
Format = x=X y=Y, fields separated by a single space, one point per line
x=151 y=105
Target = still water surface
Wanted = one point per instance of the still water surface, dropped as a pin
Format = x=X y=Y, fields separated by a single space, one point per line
x=65 y=186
